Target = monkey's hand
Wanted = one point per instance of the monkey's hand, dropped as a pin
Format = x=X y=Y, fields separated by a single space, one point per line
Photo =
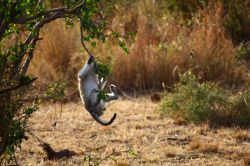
x=91 y=59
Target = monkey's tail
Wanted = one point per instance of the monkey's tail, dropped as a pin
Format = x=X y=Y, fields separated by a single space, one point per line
x=102 y=122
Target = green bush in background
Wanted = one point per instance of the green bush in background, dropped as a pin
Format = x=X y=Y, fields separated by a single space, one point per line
x=205 y=102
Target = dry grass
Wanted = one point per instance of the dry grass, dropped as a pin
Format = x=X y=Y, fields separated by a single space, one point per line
x=154 y=140
x=209 y=148
x=56 y=55
x=161 y=49
x=242 y=135
x=123 y=163
x=171 y=152
x=179 y=120
x=204 y=147
x=195 y=144
x=247 y=159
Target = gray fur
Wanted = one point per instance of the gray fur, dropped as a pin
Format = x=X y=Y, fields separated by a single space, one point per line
x=88 y=86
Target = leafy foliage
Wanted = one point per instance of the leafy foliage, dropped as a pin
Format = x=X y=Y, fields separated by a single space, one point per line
x=241 y=108
x=205 y=102
x=243 y=52
x=23 y=20
x=104 y=70
x=196 y=102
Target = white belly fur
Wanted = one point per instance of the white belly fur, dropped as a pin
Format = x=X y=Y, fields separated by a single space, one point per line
x=86 y=87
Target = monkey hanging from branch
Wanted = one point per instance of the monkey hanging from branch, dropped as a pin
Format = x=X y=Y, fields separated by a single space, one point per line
x=91 y=88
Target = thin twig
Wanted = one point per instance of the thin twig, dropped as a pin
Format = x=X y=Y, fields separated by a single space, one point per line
x=107 y=157
x=34 y=136
x=30 y=55
x=24 y=19
x=31 y=39
x=82 y=42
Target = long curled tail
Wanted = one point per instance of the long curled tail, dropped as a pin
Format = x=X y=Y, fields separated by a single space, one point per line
x=102 y=122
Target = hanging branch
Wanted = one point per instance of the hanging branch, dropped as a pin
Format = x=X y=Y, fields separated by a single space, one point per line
x=82 y=42
x=32 y=39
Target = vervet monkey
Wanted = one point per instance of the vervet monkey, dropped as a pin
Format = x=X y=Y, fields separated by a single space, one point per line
x=89 y=86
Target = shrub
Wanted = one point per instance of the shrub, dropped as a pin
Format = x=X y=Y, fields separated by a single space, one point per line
x=241 y=108
x=196 y=102
x=206 y=102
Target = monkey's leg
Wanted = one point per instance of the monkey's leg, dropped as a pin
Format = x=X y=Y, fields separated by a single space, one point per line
x=113 y=95
x=94 y=95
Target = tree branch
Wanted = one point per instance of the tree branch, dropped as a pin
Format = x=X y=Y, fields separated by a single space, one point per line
x=32 y=39
x=4 y=139
x=82 y=42
x=47 y=13
x=3 y=26
x=9 y=89
x=24 y=19
x=27 y=61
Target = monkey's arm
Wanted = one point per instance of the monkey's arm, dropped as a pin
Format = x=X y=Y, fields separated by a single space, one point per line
x=84 y=71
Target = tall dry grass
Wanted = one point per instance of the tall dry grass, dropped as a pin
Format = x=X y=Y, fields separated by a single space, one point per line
x=162 y=48
x=207 y=49
x=55 y=53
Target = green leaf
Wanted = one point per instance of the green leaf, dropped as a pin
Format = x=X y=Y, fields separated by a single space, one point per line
x=24 y=80
x=93 y=44
x=29 y=111
x=132 y=153
x=12 y=58
x=102 y=95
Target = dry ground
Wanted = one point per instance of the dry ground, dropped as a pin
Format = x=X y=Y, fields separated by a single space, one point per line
x=139 y=136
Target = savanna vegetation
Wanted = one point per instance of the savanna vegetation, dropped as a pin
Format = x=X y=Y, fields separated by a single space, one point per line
x=21 y=22
x=195 y=53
